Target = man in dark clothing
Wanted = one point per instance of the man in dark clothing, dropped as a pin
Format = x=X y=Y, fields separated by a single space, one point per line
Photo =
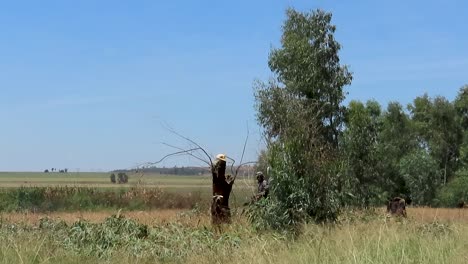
x=263 y=188
x=397 y=207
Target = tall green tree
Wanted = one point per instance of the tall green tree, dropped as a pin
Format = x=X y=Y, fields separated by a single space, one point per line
x=360 y=140
x=396 y=139
x=422 y=176
x=461 y=107
x=438 y=131
x=308 y=65
x=301 y=113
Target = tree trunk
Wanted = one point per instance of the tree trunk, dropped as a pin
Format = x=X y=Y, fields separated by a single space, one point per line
x=222 y=187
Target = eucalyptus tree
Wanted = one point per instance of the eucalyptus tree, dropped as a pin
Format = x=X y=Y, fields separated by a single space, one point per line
x=301 y=112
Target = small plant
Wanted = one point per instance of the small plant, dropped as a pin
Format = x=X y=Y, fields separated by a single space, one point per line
x=112 y=178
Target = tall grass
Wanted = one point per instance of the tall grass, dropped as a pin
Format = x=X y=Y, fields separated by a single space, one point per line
x=360 y=238
x=65 y=198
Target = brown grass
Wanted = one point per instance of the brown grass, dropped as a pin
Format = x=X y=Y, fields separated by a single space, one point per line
x=426 y=214
x=187 y=217
x=428 y=235
x=429 y=215
x=152 y=217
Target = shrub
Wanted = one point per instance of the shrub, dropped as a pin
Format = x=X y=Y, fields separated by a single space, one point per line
x=455 y=191
x=112 y=178
x=122 y=177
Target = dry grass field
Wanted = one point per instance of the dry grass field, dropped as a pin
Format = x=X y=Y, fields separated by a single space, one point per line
x=164 y=216
x=428 y=235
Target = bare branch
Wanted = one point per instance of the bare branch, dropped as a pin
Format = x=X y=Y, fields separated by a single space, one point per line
x=170 y=155
x=243 y=151
x=232 y=165
x=191 y=141
x=192 y=155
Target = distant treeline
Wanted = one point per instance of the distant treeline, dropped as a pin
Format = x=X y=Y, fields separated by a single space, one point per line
x=243 y=171
x=170 y=171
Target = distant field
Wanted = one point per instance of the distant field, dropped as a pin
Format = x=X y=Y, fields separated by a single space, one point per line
x=92 y=179
x=196 y=184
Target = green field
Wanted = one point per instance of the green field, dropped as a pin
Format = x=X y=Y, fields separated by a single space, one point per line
x=243 y=188
x=96 y=179
x=101 y=179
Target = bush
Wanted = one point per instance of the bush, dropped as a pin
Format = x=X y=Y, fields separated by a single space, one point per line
x=454 y=192
x=168 y=243
x=122 y=177
x=301 y=190
x=112 y=178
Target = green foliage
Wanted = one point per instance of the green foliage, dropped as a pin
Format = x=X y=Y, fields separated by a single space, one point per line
x=171 y=242
x=359 y=143
x=439 y=130
x=409 y=154
x=422 y=176
x=101 y=239
x=301 y=114
x=383 y=154
x=262 y=162
x=454 y=192
x=308 y=66
x=296 y=198
x=464 y=151
x=302 y=179
x=396 y=139
x=461 y=106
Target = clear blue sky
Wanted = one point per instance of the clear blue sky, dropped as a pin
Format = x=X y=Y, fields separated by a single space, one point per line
x=87 y=84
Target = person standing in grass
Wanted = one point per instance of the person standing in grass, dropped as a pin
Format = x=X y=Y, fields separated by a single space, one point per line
x=263 y=187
